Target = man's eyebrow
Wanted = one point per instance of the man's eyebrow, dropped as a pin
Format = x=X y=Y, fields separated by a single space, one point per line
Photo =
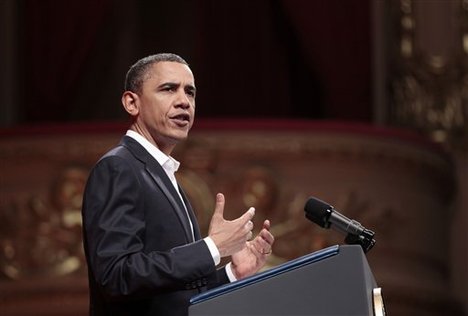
x=175 y=84
x=191 y=88
x=169 y=84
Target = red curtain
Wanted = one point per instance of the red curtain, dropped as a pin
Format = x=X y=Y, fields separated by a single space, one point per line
x=59 y=37
x=285 y=58
x=336 y=39
x=270 y=58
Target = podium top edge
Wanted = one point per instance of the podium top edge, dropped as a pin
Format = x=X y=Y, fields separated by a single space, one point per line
x=283 y=268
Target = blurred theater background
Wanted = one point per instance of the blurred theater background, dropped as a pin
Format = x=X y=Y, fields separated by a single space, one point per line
x=361 y=103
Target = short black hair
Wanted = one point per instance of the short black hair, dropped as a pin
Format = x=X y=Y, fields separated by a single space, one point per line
x=136 y=75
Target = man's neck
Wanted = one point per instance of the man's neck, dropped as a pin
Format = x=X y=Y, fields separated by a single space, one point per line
x=166 y=149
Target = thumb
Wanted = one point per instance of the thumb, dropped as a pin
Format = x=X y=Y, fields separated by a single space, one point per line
x=219 y=207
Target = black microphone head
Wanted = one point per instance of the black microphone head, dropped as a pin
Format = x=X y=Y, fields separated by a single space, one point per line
x=318 y=212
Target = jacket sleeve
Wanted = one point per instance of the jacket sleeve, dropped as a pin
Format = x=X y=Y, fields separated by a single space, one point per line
x=114 y=239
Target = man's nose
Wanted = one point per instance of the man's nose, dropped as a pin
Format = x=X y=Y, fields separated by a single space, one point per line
x=183 y=100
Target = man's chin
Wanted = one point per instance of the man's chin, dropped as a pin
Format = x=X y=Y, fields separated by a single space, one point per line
x=178 y=137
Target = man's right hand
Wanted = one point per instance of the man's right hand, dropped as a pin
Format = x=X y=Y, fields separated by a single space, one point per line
x=230 y=236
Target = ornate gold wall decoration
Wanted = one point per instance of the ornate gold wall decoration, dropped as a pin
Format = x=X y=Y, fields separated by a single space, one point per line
x=40 y=235
x=429 y=70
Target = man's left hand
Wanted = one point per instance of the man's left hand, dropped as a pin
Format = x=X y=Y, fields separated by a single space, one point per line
x=254 y=255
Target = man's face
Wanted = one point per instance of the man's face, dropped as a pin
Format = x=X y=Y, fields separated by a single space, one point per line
x=167 y=104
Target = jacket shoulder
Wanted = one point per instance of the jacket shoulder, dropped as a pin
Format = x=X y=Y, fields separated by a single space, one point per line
x=128 y=149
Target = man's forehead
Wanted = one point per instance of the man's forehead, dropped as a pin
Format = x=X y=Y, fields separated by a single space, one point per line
x=171 y=71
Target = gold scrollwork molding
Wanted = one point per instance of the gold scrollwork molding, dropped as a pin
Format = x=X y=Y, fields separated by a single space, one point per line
x=429 y=72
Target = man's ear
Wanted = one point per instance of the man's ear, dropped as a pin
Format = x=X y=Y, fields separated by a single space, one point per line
x=130 y=103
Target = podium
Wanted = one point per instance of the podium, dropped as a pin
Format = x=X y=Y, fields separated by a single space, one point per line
x=334 y=281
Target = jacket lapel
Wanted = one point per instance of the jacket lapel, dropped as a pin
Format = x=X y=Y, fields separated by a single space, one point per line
x=161 y=179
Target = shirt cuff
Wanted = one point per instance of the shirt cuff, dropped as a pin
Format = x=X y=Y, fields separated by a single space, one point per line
x=229 y=273
x=213 y=250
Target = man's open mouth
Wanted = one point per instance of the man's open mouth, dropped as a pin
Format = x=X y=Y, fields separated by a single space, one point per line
x=181 y=119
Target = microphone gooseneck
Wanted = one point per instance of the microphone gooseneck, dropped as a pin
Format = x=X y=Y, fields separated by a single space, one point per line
x=324 y=215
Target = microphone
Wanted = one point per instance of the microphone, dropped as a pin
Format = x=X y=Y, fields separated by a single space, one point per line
x=324 y=215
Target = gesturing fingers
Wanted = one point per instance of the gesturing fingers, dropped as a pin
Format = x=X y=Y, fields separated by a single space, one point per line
x=230 y=236
x=245 y=224
x=247 y=216
x=264 y=241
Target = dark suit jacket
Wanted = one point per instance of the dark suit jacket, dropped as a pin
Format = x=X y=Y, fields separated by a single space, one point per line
x=137 y=240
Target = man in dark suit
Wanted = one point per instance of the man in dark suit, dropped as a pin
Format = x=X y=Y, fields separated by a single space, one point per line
x=142 y=243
